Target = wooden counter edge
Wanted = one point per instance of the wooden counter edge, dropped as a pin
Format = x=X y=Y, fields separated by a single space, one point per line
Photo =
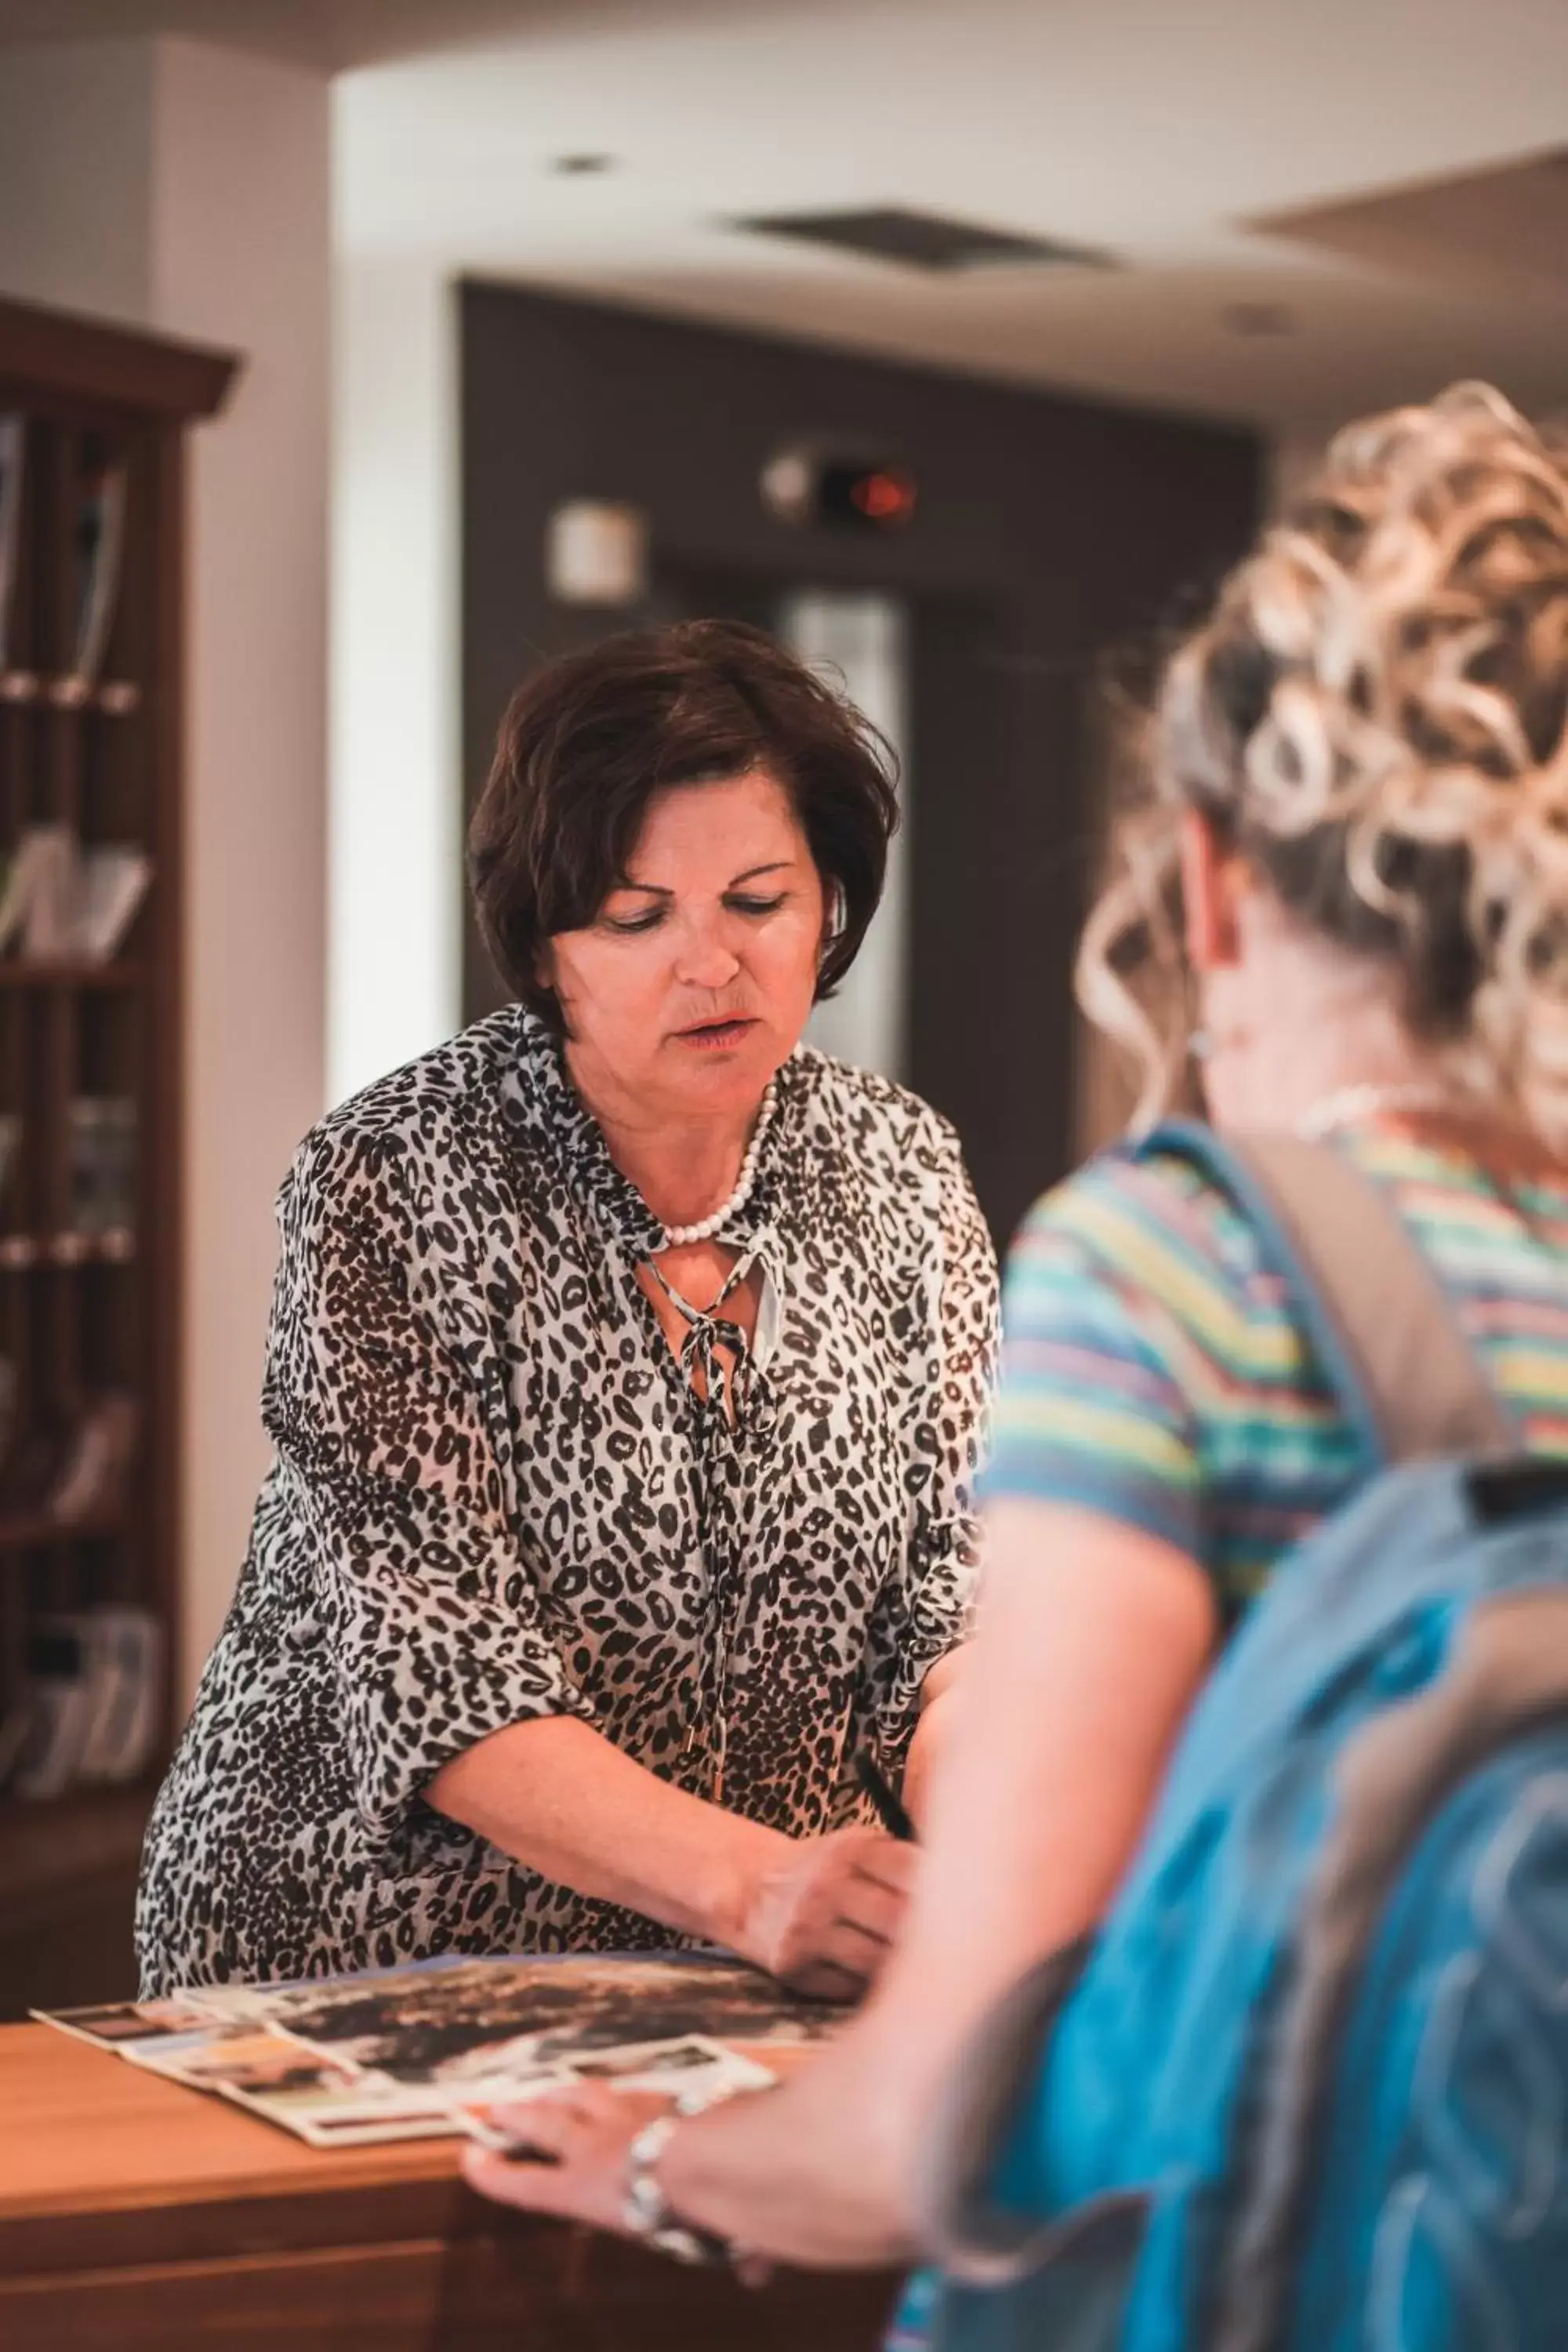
x=103 y=2163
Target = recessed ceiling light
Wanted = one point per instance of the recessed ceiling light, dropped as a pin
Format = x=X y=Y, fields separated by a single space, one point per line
x=1257 y=318
x=578 y=167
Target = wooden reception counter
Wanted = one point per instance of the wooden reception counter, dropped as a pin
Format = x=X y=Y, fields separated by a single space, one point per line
x=137 y=2216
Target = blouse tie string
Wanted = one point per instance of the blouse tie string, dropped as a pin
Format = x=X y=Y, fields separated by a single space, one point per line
x=707 y=1331
x=726 y=1401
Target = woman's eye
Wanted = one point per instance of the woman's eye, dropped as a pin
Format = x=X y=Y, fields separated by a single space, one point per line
x=741 y=904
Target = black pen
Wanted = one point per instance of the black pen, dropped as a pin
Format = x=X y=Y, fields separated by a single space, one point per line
x=890 y=1811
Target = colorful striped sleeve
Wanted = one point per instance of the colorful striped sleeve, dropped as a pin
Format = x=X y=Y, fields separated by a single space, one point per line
x=1092 y=1411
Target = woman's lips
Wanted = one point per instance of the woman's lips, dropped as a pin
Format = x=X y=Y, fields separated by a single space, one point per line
x=714 y=1036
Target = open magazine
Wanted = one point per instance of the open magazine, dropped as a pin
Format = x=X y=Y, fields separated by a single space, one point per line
x=436 y=2048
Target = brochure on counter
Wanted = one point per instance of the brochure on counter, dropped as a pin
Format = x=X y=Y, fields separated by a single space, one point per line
x=436 y=2048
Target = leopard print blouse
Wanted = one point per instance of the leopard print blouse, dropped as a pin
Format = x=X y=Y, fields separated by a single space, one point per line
x=497 y=1494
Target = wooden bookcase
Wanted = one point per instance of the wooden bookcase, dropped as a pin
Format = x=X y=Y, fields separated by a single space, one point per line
x=88 y=1313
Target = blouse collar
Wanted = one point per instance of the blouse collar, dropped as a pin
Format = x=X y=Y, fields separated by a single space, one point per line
x=552 y=1117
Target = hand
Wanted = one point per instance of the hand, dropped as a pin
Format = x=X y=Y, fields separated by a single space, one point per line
x=825 y=1912
x=583 y=2135
x=816 y=2180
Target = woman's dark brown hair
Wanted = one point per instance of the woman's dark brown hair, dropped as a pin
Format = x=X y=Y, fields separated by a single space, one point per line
x=588 y=741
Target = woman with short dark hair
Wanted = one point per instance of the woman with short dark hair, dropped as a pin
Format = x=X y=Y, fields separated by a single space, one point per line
x=626 y=1364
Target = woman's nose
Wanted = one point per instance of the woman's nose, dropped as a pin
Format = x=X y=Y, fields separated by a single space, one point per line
x=706 y=960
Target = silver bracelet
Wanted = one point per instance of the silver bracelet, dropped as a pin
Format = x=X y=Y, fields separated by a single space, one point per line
x=646 y=2211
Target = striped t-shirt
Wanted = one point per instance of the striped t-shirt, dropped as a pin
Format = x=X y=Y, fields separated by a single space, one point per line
x=1154 y=1368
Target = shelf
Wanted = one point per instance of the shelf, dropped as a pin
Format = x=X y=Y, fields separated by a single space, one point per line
x=23 y=1253
x=40 y=1531
x=91 y=748
x=21 y=690
x=58 y=1845
x=72 y=973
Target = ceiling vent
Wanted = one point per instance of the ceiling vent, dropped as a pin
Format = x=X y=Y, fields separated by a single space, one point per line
x=925 y=240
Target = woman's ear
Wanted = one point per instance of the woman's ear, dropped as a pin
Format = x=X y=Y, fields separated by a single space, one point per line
x=833 y=919
x=1212 y=876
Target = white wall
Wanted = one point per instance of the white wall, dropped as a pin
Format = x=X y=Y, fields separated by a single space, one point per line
x=395 y=925
x=183 y=188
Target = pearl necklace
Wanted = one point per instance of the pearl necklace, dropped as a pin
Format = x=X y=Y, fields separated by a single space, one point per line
x=1346 y=1105
x=683 y=1237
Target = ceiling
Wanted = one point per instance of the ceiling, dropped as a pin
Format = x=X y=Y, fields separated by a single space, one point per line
x=1219 y=148
x=330 y=34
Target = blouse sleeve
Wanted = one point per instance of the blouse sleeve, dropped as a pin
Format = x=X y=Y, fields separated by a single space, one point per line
x=388 y=1455
x=1095 y=1405
x=935 y=1601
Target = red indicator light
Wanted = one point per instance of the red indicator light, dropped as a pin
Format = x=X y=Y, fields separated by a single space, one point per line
x=884 y=497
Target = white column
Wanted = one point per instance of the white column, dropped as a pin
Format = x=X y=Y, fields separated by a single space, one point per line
x=395 y=982
x=241 y=255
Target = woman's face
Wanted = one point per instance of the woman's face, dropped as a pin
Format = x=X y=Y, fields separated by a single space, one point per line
x=695 y=978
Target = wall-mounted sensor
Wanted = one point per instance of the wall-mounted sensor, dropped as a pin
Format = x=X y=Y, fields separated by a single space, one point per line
x=816 y=484
x=595 y=552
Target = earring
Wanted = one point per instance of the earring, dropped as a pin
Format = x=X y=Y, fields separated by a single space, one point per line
x=1201 y=1044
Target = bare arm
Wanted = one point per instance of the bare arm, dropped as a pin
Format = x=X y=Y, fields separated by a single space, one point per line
x=561 y=1798
x=944 y=1678
x=939 y=1700
x=1093 y=1640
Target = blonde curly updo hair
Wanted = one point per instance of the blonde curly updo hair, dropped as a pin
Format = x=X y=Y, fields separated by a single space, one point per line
x=1375 y=715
